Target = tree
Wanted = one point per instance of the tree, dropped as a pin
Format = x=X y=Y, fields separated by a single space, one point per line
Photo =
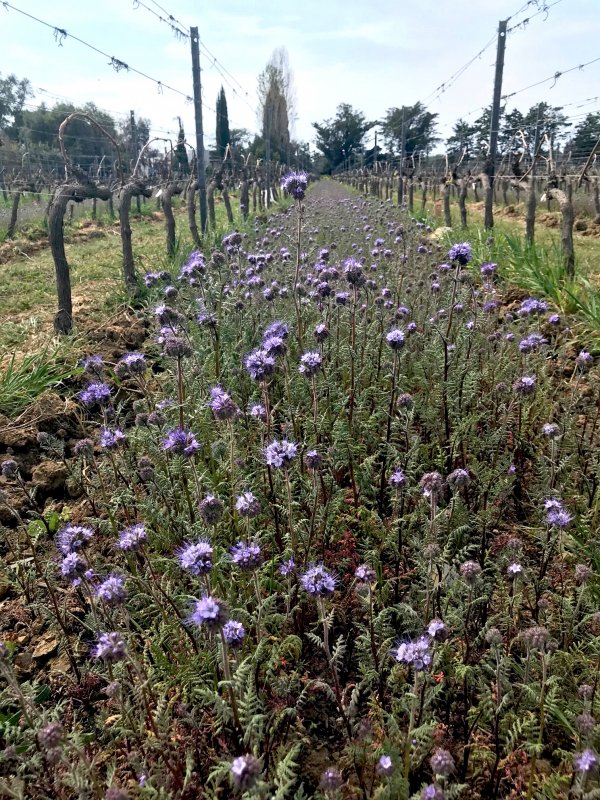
x=419 y=129
x=461 y=142
x=239 y=139
x=132 y=140
x=83 y=143
x=276 y=104
x=585 y=136
x=223 y=134
x=13 y=94
x=342 y=137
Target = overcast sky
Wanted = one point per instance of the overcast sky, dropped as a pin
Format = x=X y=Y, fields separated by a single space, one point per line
x=373 y=54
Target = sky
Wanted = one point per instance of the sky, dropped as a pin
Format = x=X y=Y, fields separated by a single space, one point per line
x=372 y=54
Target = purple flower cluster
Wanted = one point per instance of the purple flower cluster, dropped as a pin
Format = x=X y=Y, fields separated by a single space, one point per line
x=71 y=538
x=246 y=555
x=556 y=514
x=259 y=364
x=110 y=647
x=96 y=395
x=310 y=364
x=247 y=505
x=112 y=590
x=415 y=654
x=222 y=405
x=280 y=453
x=196 y=558
x=295 y=184
x=395 y=339
x=211 y=509
x=181 y=442
x=460 y=252
x=318 y=581
x=209 y=612
x=132 y=537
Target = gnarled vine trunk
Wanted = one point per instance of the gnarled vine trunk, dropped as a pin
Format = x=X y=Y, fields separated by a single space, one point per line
x=63 y=321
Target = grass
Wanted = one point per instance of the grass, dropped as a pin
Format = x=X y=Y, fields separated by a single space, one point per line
x=538 y=267
x=28 y=294
x=24 y=380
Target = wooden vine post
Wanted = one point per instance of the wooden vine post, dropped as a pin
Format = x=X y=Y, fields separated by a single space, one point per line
x=565 y=203
x=77 y=188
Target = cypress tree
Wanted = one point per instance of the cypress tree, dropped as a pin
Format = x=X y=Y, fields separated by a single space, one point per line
x=223 y=136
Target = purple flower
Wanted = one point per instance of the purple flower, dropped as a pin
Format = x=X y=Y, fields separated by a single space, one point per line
x=110 y=647
x=318 y=581
x=310 y=364
x=72 y=566
x=210 y=612
x=460 y=252
x=244 y=772
x=166 y=315
x=247 y=505
x=9 y=469
x=313 y=459
x=134 y=363
x=554 y=319
x=525 y=385
x=556 y=515
x=93 y=365
x=550 y=430
x=385 y=765
x=132 y=537
x=211 y=509
x=470 y=571
x=196 y=558
x=321 y=332
x=234 y=633
x=341 y=298
x=96 y=394
x=514 y=570
x=532 y=306
x=277 y=328
x=258 y=411
x=71 y=538
x=353 y=272
x=222 y=405
x=415 y=654
x=458 y=478
x=280 y=453
x=295 y=183
x=111 y=439
x=246 y=555
x=442 y=763
x=259 y=364
x=112 y=590
x=432 y=792
x=275 y=345
x=488 y=269
x=586 y=761
x=287 y=567
x=181 y=442
x=584 y=359
x=395 y=339
x=365 y=574
x=437 y=630
x=532 y=342
x=431 y=484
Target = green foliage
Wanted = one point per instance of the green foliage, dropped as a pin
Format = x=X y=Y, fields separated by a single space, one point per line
x=23 y=380
x=341 y=137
